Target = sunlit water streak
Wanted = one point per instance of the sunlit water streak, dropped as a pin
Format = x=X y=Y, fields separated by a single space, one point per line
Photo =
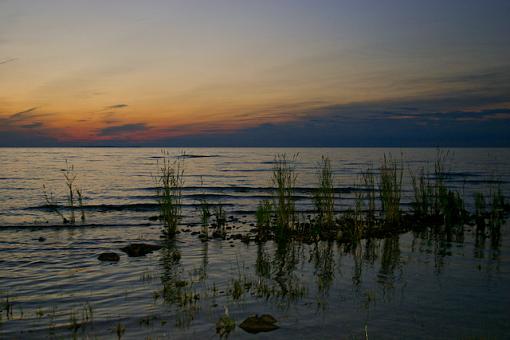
x=412 y=286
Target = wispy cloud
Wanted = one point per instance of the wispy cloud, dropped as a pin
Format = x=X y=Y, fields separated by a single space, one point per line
x=22 y=115
x=122 y=129
x=34 y=125
x=5 y=61
x=22 y=118
x=116 y=106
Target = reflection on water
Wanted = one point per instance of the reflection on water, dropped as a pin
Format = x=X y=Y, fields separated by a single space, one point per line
x=447 y=281
x=287 y=273
x=183 y=288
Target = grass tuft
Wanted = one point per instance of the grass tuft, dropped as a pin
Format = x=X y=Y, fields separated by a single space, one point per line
x=170 y=181
x=264 y=214
x=423 y=193
x=52 y=202
x=204 y=211
x=390 y=187
x=324 y=196
x=284 y=182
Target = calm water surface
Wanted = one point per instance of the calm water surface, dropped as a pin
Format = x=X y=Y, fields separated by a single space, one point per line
x=412 y=286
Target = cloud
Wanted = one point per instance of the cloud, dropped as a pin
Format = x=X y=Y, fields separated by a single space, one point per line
x=26 y=138
x=34 y=125
x=116 y=106
x=482 y=115
x=122 y=129
x=477 y=114
x=357 y=133
x=25 y=117
x=22 y=115
x=5 y=61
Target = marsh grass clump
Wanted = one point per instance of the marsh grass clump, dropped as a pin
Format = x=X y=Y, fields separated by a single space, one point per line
x=368 y=179
x=80 y=205
x=86 y=313
x=324 y=195
x=390 y=188
x=119 y=330
x=264 y=214
x=284 y=182
x=453 y=209
x=237 y=289
x=446 y=203
x=440 y=190
x=170 y=181
x=204 y=211
x=70 y=177
x=497 y=204
x=423 y=193
x=353 y=221
x=435 y=202
x=6 y=306
x=496 y=216
x=480 y=210
x=480 y=204
x=220 y=220
x=225 y=324
x=74 y=325
x=74 y=197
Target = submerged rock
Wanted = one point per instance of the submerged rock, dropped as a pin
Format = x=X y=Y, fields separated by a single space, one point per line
x=256 y=324
x=140 y=249
x=114 y=257
x=42 y=239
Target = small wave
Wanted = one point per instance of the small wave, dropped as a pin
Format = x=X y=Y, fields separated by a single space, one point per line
x=477 y=181
x=246 y=189
x=197 y=156
x=111 y=207
x=74 y=226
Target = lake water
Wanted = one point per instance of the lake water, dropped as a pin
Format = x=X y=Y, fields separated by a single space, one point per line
x=413 y=286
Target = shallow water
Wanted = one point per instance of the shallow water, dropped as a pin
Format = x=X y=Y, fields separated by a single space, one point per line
x=413 y=286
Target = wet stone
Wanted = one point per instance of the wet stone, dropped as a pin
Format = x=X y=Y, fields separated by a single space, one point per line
x=139 y=249
x=256 y=324
x=113 y=257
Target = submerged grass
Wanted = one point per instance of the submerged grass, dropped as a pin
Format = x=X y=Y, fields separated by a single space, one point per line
x=170 y=181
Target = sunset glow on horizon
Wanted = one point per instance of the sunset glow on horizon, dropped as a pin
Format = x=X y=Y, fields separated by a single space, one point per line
x=135 y=72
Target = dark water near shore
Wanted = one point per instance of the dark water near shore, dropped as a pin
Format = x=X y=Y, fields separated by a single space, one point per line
x=412 y=286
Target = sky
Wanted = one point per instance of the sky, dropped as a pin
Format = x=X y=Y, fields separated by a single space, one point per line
x=255 y=73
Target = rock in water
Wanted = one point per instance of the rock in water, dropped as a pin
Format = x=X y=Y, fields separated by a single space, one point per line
x=256 y=324
x=114 y=257
x=267 y=318
x=139 y=249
